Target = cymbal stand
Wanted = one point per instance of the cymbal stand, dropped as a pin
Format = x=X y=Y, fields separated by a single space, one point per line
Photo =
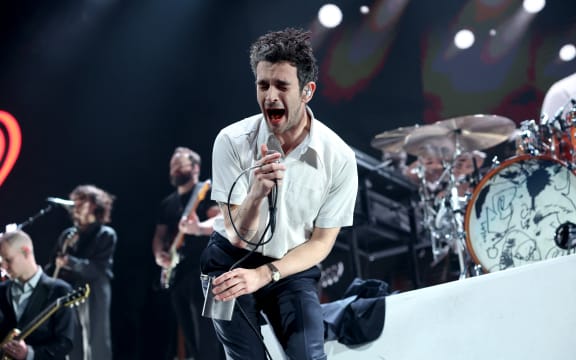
x=457 y=211
x=429 y=213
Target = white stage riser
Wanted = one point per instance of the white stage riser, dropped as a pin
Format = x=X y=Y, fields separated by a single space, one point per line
x=523 y=313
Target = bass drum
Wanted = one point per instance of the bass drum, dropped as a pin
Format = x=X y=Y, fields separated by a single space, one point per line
x=513 y=214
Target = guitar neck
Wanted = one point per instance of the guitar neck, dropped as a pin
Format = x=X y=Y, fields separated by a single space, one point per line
x=73 y=298
x=178 y=242
x=37 y=321
x=197 y=196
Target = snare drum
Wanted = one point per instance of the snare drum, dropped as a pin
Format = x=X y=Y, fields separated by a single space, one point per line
x=513 y=214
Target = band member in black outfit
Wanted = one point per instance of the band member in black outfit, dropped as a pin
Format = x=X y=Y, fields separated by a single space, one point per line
x=26 y=295
x=182 y=231
x=85 y=254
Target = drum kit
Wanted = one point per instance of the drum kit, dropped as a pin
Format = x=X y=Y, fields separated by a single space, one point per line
x=509 y=214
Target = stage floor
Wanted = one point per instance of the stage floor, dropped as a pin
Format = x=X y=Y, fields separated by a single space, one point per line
x=527 y=313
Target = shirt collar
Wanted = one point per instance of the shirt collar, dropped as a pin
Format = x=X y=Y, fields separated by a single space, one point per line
x=31 y=283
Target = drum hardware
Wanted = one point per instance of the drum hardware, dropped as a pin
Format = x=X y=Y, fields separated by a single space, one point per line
x=448 y=230
x=446 y=170
x=443 y=215
x=555 y=137
x=495 y=162
x=528 y=138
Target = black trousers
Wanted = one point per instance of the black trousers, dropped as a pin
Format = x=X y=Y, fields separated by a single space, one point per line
x=291 y=306
x=187 y=300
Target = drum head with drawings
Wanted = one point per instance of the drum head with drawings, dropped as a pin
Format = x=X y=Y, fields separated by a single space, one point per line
x=514 y=212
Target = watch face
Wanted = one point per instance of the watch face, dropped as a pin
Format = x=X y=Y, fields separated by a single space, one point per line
x=274 y=272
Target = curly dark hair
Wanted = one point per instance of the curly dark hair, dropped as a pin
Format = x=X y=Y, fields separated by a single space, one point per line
x=291 y=45
x=102 y=200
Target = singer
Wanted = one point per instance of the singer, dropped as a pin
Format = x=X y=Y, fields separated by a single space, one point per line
x=314 y=176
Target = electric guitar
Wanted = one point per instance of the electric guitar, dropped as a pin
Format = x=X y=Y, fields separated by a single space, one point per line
x=198 y=195
x=71 y=299
x=69 y=241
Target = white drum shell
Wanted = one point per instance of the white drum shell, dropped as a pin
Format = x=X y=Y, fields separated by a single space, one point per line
x=513 y=214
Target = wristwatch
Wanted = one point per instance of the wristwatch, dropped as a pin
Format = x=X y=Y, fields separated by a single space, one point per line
x=274 y=272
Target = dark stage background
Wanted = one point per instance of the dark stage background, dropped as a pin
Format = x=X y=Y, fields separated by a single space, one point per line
x=104 y=90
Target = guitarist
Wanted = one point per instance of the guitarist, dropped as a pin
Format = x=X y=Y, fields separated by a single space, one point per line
x=27 y=294
x=89 y=259
x=184 y=216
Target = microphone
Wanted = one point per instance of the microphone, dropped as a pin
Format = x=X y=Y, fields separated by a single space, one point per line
x=61 y=202
x=272 y=196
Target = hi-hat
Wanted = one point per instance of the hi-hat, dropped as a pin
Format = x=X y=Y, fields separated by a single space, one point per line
x=466 y=133
x=392 y=140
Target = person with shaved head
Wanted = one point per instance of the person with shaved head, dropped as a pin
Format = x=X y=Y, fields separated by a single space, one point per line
x=24 y=296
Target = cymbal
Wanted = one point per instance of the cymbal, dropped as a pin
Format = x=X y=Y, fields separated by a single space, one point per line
x=392 y=140
x=468 y=133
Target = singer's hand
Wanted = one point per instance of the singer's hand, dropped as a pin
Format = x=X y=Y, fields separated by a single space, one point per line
x=268 y=174
x=238 y=282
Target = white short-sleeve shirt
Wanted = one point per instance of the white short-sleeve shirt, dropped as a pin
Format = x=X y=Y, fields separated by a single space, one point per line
x=318 y=190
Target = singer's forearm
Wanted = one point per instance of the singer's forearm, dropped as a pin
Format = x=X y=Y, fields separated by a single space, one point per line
x=246 y=219
x=310 y=253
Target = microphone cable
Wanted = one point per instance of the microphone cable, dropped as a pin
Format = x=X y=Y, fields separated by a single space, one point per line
x=270 y=225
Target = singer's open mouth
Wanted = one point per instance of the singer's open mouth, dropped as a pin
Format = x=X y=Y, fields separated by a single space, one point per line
x=275 y=114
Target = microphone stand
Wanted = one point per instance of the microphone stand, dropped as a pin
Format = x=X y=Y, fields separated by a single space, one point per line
x=33 y=218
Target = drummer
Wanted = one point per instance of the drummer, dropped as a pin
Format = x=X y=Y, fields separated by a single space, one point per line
x=463 y=168
x=467 y=164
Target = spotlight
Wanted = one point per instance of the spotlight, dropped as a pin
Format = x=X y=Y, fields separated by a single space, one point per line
x=567 y=52
x=534 y=6
x=330 y=15
x=464 y=39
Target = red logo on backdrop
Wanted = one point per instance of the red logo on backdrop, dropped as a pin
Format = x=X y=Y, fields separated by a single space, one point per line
x=10 y=143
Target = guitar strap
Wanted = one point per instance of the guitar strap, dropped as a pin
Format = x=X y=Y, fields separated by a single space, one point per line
x=192 y=198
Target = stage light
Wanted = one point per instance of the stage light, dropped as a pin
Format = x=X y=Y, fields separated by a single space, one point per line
x=364 y=9
x=534 y=6
x=330 y=15
x=567 y=52
x=464 y=39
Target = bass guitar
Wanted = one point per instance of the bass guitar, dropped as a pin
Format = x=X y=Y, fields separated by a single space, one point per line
x=197 y=196
x=73 y=298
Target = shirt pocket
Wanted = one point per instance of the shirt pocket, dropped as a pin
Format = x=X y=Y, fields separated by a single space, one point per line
x=304 y=197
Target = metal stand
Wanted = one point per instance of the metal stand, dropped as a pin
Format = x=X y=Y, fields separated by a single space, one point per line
x=30 y=220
